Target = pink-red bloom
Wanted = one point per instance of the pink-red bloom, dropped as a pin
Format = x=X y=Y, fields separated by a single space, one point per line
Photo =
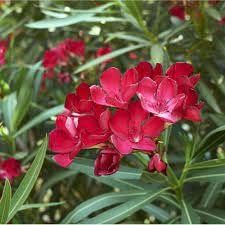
x=178 y=12
x=116 y=90
x=10 y=169
x=3 y=50
x=157 y=164
x=125 y=113
x=134 y=129
x=104 y=51
x=107 y=162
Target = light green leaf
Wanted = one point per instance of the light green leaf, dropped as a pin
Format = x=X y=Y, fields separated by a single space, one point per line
x=189 y=216
x=210 y=195
x=94 y=204
x=207 y=175
x=118 y=213
x=5 y=202
x=40 y=118
x=71 y=20
x=157 y=54
x=157 y=212
x=212 y=216
x=8 y=107
x=26 y=185
x=111 y=55
x=211 y=140
x=207 y=164
x=39 y=205
x=212 y=12
x=207 y=94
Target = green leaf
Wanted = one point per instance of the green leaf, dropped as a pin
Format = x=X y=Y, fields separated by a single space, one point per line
x=188 y=215
x=211 y=140
x=207 y=175
x=118 y=213
x=23 y=101
x=111 y=55
x=212 y=216
x=94 y=204
x=206 y=93
x=210 y=195
x=26 y=185
x=39 y=205
x=71 y=20
x=157 y=54
x=87 y=166
x=40 y=118
x=159 y=213
x=5 y=203
x=8 y=107
x=212 y=12
x=207 y=164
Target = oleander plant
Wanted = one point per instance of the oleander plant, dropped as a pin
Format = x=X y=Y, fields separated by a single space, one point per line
x=112 y=111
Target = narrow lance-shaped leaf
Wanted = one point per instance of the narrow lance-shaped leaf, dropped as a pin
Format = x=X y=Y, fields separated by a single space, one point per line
x=26 y=185
x=118 y=213
x=189 y=216
x=111 y=55
x=94 y=204
x=5 y=202
x=40 y=118
x=212 y=216
x=210 y=195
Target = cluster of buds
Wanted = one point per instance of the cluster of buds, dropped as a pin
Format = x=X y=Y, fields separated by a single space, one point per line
x=124 y=114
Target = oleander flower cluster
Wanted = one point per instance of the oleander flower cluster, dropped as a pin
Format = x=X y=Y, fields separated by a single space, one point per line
x=125 y=113
x=58 y=60
x=3 y=50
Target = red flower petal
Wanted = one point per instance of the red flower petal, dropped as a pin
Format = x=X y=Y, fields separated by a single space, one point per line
x=158 y=70
x=122 y=145
x=98 y=95
x=62 y=159
x=145 y=144
x=147 y=88
x=60 y=142
x=144 y=70
x=153 y=127
x=110 y=81
x=119 y=123
x=192 y=113
x=167 y=89
x=178 y=11
x=194 y=79
x=180 y=69
x=83 y=91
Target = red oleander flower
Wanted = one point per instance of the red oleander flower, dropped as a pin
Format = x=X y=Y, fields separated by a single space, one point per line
x=134 y=129
x=182 y=73
x=53 y=57
x=157 y=164
x=178 y=12
x=104 y=51
x=10 y=169
x=75 y=47
x=116 y=90
x=49 y=74
x=73 y=133
x=3 y=49
x=145 y=69
x=107 y=162
x=161 y=99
